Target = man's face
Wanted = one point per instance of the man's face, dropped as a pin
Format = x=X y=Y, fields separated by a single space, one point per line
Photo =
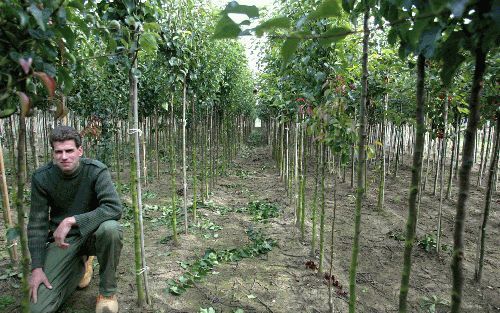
x=67 y=155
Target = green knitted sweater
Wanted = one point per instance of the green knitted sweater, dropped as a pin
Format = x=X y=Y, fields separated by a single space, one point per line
x=88 y=194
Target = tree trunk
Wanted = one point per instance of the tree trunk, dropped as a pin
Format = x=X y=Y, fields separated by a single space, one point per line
x=141 y=269
x=452 y=160
x=464 y=178
x=487 y=154
x=361 y=164
x=330 y=283
x=33 y=142
x=411 y=223
x=381 y=187
x=487 y=203
x=441 y=174
x=322 y=212
x=21 y=169
x=184 y=163
x=173 y=181
x=319 y=160
x=7 y=214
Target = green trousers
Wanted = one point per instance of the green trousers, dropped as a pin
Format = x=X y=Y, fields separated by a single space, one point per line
x=65 y=267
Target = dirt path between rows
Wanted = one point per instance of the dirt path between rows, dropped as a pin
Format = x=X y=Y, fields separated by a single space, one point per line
x=280 y=281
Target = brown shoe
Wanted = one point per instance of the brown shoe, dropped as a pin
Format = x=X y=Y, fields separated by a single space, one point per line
x=106 y=304
x=87 y=276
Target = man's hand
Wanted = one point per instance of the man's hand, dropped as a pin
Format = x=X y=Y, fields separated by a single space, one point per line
x=62 y=231
x=37 y=277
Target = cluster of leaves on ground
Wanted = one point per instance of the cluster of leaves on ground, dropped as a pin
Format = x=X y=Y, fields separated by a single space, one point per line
x=199 y=268
x=259 y=210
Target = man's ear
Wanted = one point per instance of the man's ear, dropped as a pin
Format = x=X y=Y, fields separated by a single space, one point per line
x=80 y=151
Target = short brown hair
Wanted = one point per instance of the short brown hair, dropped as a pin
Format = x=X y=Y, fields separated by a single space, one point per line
x=63 y=133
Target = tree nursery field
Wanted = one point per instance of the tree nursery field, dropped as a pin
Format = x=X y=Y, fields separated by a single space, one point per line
x=370 y=184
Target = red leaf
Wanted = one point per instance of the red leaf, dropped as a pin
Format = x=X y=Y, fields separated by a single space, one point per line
x=48 y=81
x=25 y=64
x=25 y=103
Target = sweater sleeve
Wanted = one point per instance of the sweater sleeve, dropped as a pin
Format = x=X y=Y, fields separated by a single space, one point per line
x=38 y=224
x=109 y=205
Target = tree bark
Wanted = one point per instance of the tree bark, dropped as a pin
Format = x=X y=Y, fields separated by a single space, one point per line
x=411 y=223
x=464 y=178
x=361 y=163
x=7 y=213
x=487 y=203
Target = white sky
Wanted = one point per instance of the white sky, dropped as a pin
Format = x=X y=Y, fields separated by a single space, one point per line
x=248 y=41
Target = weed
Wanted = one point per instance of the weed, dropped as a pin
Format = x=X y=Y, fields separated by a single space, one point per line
x=397 y=235
x=429 y=304
x=10 y=272
x=5 y=301
x=428 y=242
x=148 y=195
x=208 y=226
x=198 y=269
x=260 y=211
x=263 y=211
x=123 y=188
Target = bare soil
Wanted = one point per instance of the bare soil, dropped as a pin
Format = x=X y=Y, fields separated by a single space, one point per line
x=280 y=281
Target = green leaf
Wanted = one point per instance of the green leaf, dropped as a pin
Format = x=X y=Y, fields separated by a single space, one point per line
x=249 y=10
x=68 y=35
x=23 y=18
x=226 y=28
x=451 y=56
x=77 y=4
x=65 y=79
x=392 y=37
x=288 y=49
x=428 y=41
x=334 y=35
x=130 y=4
x=450 y=67
x=152 y=27
x=273 y=23
x=348 y=5
x=148 y=43
x=418 y=27
x=328 y=8
x=38 y=15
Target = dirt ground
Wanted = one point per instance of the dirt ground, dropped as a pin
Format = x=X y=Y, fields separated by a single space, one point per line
x=279 y=281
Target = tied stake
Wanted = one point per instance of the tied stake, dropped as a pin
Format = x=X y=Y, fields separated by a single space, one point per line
x=142 y=270
x=135 y=130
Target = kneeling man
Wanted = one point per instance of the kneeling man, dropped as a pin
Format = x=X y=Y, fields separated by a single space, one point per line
x=74 y=214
